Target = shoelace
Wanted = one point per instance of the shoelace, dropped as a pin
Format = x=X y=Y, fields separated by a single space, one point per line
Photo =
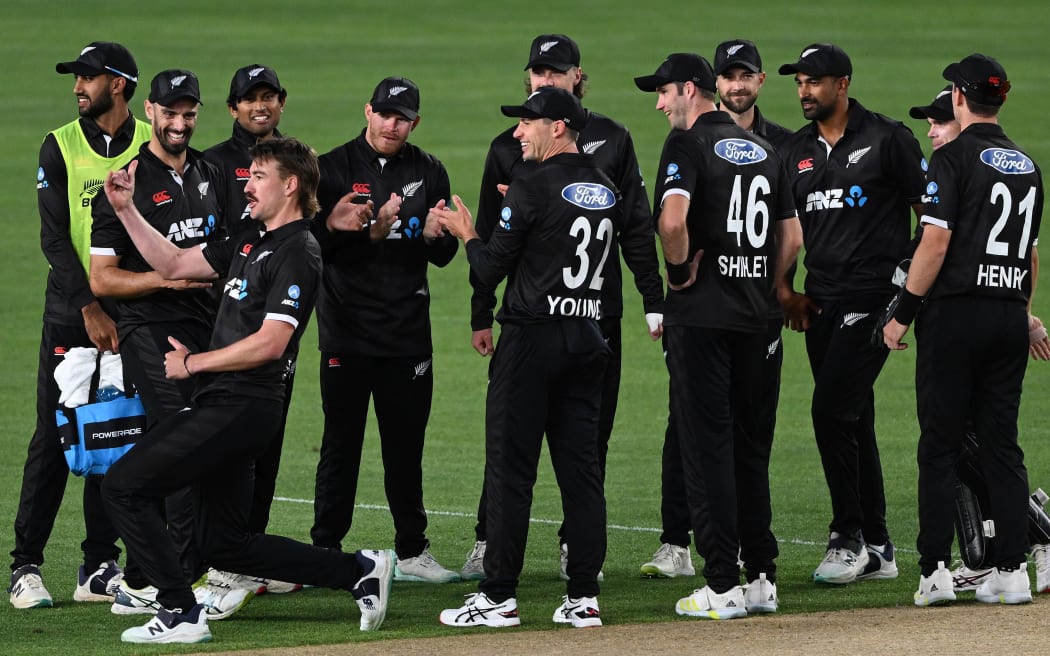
x=33 y=581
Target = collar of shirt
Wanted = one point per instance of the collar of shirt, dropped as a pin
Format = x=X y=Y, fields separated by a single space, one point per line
x=192 y=160
x=118 y=142
x=246 y=139
x=714 y=118
x=287 y=230
x=367 y=153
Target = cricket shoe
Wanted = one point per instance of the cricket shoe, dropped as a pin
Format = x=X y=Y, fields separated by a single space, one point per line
x=841 y=564
x=100 y=585
x=423 y=568
x=881 y=563
x=221 y=599
x=581 y=612
x=709 y=604
x=172 y=626
x=936 y=589
x=474 y=568
x=479 y=610
x=27 y=588
x=372 y=591
x=760 y=596
x=129 y=601
x=564 y=574
x=270 y=586
x=965 y=579
x=1041 y=556
x=1006 y=586
x=669 y=561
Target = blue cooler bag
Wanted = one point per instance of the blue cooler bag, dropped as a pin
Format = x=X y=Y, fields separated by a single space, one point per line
x=96 y=435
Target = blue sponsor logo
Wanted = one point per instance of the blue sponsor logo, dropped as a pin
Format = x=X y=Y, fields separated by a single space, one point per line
x=504 y=218
x=40 y=174
x=589 y=195
x=294 y=291
x=1004 y=160
x=672 y=168
x=924 y=164
x=932 y=188
x=211 y=225
x=414 y=228
x=740 y=151
x=856 y=197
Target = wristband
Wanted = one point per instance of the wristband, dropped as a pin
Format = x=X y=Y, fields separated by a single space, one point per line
x=186 y=363
x=678 y=274
x=907 y=307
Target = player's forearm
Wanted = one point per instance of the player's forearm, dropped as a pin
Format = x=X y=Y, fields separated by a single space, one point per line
x=265 y=345
x=674 y=234
x=789 y=243
x=928 y=259
x=154 y=247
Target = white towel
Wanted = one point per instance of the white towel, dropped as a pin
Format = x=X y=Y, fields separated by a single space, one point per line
x=73 y=375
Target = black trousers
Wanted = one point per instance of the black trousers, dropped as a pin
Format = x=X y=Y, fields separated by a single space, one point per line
x=845 y=366
x=210 y=448
x=46 y=472
x=142 y=352
x=715 y=382
x=971 y=360
x=401 y=390
x=610 y=387
x=674 y=509
x=268 y=464
x=545 y=378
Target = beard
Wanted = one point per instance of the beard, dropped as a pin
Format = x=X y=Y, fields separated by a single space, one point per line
x=97 y=106
x=173 y=148
x=739 y=104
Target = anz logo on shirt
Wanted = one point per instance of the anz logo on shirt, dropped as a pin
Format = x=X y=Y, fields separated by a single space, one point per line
x=833 y=199
x=236 y=288
x=293 y=297
x=193 y=228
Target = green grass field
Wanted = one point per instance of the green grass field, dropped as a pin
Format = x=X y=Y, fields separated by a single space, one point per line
x=467 y=59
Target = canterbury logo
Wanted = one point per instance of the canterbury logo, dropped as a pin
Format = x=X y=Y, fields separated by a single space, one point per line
x=852 y=318
x=547 y=45
x=855 y=156
x=361 y=188
x=807 y=53
x=255 y=71
x=176 y=82
x=589 y=148
x=397 y=90
x=732 y=50
x=421 y=369
x=411 y=188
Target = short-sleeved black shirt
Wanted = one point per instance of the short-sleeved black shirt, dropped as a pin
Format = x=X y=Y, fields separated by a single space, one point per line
x=187 y=209
x=989 y=193
x=736 y=189
x=555 y=234
x=273 y=276
x=854 y=202
x=612 y=149
x=375 y=297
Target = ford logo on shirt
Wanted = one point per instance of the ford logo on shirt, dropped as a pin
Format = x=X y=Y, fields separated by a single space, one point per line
x=740 y=151
x=589 y=195
x=1007 y=161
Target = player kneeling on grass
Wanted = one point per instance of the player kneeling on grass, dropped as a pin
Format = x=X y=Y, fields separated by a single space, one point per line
x=272 y=280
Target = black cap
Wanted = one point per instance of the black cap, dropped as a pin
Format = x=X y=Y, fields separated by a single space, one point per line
x=249 y=77
x=555 y=51
x=820 y=59
x=939 y=110
x=680 y=67
x=172 y=85
x=397 y=94
x=738 y=52
x=980 y=78
x=553 y=103
x=100 y=57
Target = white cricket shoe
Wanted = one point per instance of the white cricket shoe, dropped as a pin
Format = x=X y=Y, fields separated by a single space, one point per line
x=423 y=568
x=965 y=579
x=760 y=596
x=1006 y=586
x=100 y=585
x=581 y=612
x=372 y=591
x=479 y=610
x=669 y=561
x=936 y=589
x=1041 y=556
x=221 y=598
x=27 y=588
x=564 y=556
x=709 y=604
x=129 y=601
x=474 y=568
x=172 y=626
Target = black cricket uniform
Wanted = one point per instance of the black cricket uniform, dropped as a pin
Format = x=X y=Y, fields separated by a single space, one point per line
x=234 y=163
x=46 y=472
x=612 y=149
x=854 y=201
x=674 y=511
x=972 y=335
x=186 y=207
x=373 y=318
x=557 y=223
x=716 y=332
x=234 y=415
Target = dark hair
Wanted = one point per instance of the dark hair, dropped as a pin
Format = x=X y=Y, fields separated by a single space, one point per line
x=981 y=109
x=578 y=89
x=705 y=94
x=129 y=86
x=293 y=157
